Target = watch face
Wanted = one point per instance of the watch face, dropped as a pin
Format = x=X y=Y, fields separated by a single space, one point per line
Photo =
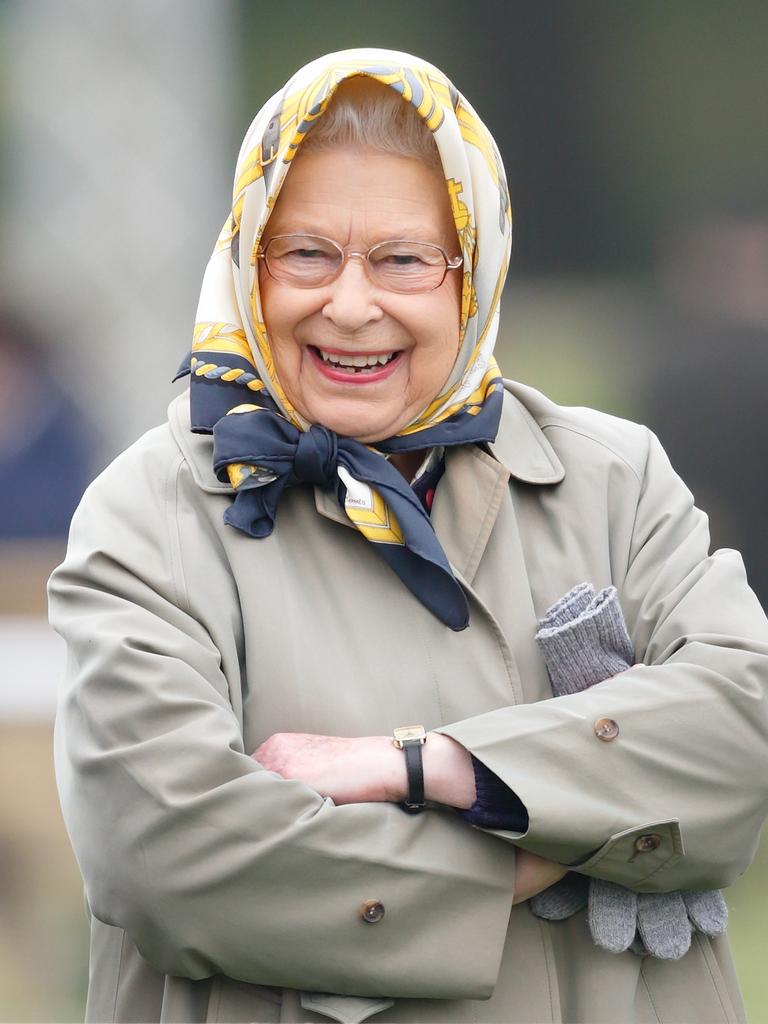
x=410 y=732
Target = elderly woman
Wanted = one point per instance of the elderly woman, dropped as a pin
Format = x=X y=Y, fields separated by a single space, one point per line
x=328 y=743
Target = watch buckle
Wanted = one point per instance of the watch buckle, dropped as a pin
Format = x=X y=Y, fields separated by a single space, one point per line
x=405 y=733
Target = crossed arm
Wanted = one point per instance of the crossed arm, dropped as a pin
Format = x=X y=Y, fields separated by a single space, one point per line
x=370 y=769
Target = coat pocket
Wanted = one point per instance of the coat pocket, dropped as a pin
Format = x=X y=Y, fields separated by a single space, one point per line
x=633 y=856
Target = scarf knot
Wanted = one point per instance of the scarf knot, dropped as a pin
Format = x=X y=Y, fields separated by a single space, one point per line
x=316 y=455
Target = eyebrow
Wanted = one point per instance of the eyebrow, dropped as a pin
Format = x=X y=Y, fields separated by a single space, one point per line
x=410 y=234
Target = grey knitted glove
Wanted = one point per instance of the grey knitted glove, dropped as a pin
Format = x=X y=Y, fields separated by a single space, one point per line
x=649 y=923
x=568 y=608
x=584 y=640
x=591 y=646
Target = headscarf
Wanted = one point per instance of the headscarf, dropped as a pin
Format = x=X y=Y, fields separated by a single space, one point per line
x=261 y=443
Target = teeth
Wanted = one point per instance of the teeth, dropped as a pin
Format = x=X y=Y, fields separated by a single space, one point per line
x=338 y=359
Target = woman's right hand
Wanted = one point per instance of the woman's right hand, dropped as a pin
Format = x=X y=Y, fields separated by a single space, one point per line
x=533 y=874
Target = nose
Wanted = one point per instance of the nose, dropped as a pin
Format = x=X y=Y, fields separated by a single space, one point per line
x=352 y=297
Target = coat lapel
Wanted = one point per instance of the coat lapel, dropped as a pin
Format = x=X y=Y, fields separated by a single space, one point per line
x=475 y=516
x=475 y=485
x=466 y=505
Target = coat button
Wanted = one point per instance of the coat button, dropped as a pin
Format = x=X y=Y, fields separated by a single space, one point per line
x=606 y=729
x=647 y=844
x=372 y=911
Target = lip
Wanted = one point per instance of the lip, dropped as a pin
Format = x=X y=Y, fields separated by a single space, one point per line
x=339 y=376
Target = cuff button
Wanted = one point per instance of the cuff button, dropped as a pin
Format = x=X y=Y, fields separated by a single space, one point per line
x=606 y=729
x=372 y=911
x=647 y=844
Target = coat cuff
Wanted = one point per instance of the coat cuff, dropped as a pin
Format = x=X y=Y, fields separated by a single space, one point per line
x=584 y=823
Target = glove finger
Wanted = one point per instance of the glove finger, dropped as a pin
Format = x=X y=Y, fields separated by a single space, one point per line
x=662 y=920
x=707 y=910
x=637 y=947
x=612 y=915
x=568 y=607
x=563 y=899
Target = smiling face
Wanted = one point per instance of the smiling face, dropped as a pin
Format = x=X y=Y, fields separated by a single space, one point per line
x=359 y=198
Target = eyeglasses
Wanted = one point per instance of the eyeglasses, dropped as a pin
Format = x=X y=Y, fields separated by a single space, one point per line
x=311 y=261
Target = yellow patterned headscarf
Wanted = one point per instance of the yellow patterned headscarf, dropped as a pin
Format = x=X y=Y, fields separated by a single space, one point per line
x=261 y=443
x=229 y=317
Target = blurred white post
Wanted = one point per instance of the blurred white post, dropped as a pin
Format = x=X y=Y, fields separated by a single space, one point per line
x=119 y=163
x=32 y=663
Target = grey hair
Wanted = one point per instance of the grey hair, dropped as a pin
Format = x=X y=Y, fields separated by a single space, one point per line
x=366 y=114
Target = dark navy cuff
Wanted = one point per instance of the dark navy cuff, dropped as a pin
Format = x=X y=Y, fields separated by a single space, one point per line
x=496 y=806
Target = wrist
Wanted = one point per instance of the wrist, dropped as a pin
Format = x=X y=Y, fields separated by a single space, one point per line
x=449 y=777
x=395 y=776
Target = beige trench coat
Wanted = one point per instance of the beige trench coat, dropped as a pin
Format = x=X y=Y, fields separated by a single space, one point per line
x=220 y=892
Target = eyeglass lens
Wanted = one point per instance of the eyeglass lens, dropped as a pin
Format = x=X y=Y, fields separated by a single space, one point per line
x=309 y=261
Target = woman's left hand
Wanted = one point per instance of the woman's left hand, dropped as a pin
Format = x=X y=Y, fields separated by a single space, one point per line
x=363 y=769
x=534 y=874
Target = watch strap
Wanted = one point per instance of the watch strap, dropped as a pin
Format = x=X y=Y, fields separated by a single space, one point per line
x=410 y=739
x=414 y=802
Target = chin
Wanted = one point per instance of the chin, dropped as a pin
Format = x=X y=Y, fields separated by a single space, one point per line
x=364 y=432
x=358 y=424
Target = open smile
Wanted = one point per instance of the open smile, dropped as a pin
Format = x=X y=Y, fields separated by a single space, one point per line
x=354 y=367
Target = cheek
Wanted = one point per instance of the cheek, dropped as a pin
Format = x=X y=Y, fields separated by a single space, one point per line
x=280 y=318
x=439 y=332
x=448 y=312
x=433 y=358
x=271 y=306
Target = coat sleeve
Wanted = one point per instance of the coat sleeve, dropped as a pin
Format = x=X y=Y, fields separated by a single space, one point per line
x=656 y=778
x=208 y=862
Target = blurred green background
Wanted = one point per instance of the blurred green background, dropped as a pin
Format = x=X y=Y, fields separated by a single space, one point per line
x=635 y=144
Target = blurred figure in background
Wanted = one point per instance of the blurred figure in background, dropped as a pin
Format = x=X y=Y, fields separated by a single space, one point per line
x=712 y=327
x=45 y=451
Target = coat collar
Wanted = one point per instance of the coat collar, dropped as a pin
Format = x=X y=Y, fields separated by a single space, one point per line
x=476 y=484
x=197 y=449
x=521 y=446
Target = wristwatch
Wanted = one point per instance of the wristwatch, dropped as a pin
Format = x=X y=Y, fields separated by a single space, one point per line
x=410 y=739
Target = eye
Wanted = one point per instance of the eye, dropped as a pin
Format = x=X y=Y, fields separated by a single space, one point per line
x=406 y=258
x=401 y=259
x=301 y=249
x=306 y=254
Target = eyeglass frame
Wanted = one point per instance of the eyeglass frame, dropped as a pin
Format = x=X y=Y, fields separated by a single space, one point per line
x=452 y=263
